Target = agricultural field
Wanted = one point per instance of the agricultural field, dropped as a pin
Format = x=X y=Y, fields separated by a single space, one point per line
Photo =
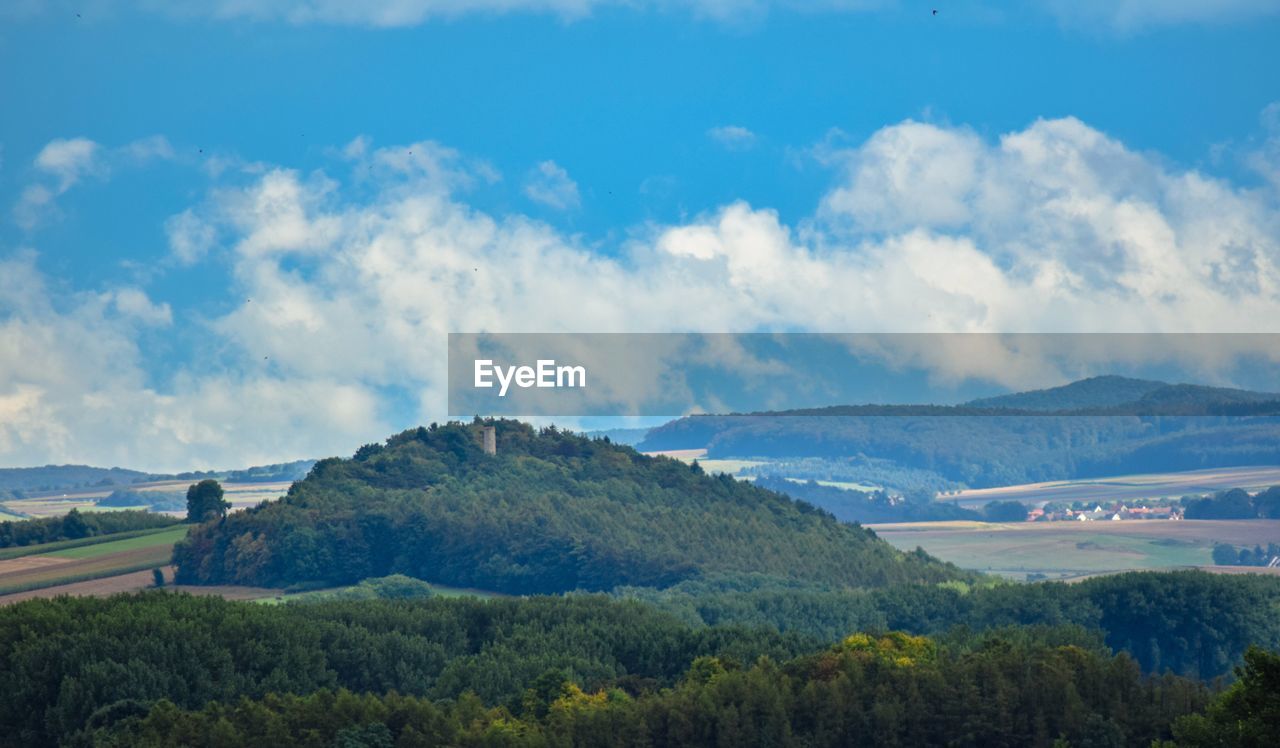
x=240 y=495
x=1066 y=550
x=55 y=564
x=1125 y=487
x=731 y=466
x=135 y=581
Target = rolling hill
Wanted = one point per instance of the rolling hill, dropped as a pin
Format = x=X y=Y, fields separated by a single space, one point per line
x=551 y=512
x=1095 y=392
x=1091 y=428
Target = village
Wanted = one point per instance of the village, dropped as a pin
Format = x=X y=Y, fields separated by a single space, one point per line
x=1084 y=512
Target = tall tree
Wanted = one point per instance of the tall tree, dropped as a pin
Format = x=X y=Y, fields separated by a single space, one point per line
x=204 y=501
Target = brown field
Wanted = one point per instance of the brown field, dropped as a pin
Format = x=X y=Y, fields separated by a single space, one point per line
x=135 y=581
x=27 y=563
x=92 y=588
x=40 y=573
x=1126 y=487
x=1242 y=570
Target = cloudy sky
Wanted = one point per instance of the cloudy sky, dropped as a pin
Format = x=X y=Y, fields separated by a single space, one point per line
x=238 y=232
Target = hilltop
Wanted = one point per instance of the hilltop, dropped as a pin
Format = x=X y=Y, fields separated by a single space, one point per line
x=551 y=512
x=1106 y=391
x=1125 y=396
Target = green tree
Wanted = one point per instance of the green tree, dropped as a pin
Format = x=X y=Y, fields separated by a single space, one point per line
x=74 y=526
x=1245 y=715
x=204 y=501
x=1005 y=511
x=1268 y=503
x=1225 y=555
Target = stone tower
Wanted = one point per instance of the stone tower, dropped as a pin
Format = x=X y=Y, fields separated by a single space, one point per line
x=490 y=440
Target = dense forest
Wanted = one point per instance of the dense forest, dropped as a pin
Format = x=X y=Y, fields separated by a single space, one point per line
x=166 y=669
x=856 y=469
x=72 y=662
x=1189 y=622
x=1236 y=504
x=870 y=507
x=75 y=525
x=866 y=691
x=551 y=512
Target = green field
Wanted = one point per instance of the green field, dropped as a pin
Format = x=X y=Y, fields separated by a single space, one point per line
x=1074 y=549
x=164 y=536
x=59 y=545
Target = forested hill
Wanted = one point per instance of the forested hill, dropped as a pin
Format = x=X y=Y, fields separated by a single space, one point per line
x=550 y=512
x=1125 y=396
x=1092 y=428
x=1094 y=392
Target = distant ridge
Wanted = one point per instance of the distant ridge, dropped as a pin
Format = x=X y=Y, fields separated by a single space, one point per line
x=50 y=478
x=1110 y=393
x=1113 y=425
x=1107 y=391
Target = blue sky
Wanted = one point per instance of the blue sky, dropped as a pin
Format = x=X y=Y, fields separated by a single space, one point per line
x=593 y=166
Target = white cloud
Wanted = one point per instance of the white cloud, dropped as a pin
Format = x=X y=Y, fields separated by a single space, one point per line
x=143 y=150
x=1128 y=15
x=68 y=161
x=550 y=185
x=343 y=295
x=73 y=389
x=133 y=303
x=190 y=237
x=733 y=137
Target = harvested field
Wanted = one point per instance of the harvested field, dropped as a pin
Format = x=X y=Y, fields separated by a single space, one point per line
x=1125 y=487
x=26 y=563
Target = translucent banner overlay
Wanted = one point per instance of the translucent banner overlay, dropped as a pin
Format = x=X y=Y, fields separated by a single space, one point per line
x=944 y=374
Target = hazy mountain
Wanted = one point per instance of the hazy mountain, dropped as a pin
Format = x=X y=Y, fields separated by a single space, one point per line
x=1096 y=392
x=63 y=478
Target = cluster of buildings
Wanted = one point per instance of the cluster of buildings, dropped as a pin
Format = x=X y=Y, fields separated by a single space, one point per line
x=1117 y=511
